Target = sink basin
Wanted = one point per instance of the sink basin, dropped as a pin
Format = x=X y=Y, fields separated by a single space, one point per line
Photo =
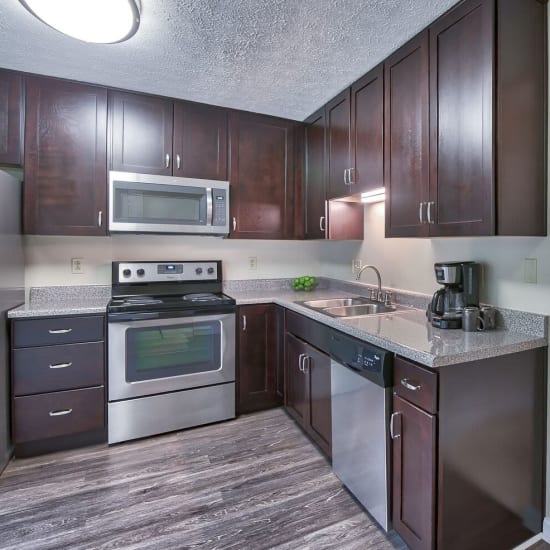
x=336 y=302
x=356 y=310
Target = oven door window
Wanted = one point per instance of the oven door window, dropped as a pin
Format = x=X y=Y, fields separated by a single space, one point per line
x=174 y=350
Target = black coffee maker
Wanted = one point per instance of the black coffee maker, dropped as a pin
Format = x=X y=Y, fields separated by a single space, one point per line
x=460 y=282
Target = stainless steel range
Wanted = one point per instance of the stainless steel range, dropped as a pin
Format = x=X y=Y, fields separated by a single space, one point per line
x=171 y=358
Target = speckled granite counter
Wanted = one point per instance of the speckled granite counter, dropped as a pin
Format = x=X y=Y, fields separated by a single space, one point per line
x=406 y=332
x=63 y=300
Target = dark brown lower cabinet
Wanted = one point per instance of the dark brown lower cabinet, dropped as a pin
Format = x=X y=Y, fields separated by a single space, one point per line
x=414 y=481
x=308 y=390
x=259 y=363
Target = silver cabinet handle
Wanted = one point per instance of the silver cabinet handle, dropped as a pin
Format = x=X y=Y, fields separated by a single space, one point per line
x=420 y=212
x=393 y=435
x=430 y=211
x=407 y=384
x=167 y=160
x=244 y=323
x=351 y=181
x=209 y=194
x=321 y=223
x=61 y=365
x=307 y=360
x=60 y=413
x=300 y=361
x=60 y=331
x=100 y=218
x=178 y=161
x=345 y=176
x=234 y=223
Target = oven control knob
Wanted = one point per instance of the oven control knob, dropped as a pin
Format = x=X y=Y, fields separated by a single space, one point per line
x=210 y=270
x=198 y=271
x=126 y=273
x=140 y=272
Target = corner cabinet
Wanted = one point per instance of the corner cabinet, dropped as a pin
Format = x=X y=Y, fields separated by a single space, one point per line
x=11 y=118
x=259 y=357
x=262 y=177
x=65 y=158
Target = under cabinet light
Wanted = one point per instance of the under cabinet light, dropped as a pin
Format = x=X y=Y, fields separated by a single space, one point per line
x=376 y=195
x=98 y=21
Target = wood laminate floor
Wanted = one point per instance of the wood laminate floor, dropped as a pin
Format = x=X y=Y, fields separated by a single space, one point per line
x=250 y=484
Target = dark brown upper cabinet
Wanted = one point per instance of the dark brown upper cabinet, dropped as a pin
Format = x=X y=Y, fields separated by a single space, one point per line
x=338 y=136
x=406 y=138
x=315 y=221
x=11 y=118
x=141 y=133
x=262 y=177
x=200 y=141
x=65 y=158
x=487 y=135
x=367 y=132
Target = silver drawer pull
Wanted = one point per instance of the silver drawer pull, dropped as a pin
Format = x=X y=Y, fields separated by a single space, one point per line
x=61 y=365
x=393 y=435
x=413 y=387
x=60 y=413
x=60 y=331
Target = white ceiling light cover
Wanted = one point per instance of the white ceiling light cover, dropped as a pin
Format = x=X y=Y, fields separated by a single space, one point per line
x=99 y=21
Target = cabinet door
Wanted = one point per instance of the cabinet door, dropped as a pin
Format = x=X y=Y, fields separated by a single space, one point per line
x=414 y=479
x=338 y=113
x=297 y=383
x=257 y=358
x=262 y=177
x=461 y=121
x=11 y=118
x=367 y=131
x=317 y=367
x=200 y=141
x=141 y=133
x=65 y=158
x=315 y=221
x=406 y=142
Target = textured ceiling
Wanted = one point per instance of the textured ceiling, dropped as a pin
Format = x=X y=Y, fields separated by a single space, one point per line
x=279 y=57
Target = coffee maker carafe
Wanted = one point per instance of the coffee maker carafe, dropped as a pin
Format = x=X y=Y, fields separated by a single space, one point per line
x=460 y=282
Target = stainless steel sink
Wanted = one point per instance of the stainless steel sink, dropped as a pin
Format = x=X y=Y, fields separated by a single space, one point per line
x=354 y=311
x=336 y=302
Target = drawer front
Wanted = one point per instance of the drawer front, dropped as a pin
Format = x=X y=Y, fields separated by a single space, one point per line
x=312 y=332
x=55 y=368
x=57 y=330
x=416 y=384
x=56 y=414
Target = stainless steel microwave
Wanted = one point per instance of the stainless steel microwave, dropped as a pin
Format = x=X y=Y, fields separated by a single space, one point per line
x=144 y=203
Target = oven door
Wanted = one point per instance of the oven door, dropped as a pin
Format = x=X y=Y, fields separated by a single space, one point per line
x=155 y=356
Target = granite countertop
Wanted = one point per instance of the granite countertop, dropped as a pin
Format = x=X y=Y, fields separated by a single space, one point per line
x=407 y=332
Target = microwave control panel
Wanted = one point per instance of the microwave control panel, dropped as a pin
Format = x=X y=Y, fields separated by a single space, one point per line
x=219 y=207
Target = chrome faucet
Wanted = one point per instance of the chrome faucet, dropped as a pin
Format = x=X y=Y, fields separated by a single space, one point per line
x=379 y=291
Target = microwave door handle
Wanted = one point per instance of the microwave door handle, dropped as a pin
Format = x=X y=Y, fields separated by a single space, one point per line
x=209 y=193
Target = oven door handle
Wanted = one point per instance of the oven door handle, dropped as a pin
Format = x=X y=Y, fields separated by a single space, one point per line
x=209 y=197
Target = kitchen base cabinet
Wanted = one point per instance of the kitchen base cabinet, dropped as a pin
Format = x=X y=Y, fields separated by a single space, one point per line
x=481 y=425
x=58 y=389
x=259 y=372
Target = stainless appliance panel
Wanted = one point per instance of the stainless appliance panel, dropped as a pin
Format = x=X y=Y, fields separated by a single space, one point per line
x=157 y=414
x=12 y=294
x=217 y=204
x=120 y=388
x=360 y=441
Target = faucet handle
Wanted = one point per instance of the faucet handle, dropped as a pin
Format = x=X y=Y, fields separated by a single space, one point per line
x=373 y=295
x=387 y=298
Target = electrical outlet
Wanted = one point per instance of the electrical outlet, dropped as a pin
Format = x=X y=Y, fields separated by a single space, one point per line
x=252 y=262
x=77 y=266
x=530 y=270
x=356 y=266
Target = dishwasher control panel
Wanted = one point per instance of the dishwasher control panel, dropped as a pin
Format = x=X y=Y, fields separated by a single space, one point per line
x=370 y=361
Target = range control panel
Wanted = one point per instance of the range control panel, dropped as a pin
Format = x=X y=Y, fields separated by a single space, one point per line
x=160 y=272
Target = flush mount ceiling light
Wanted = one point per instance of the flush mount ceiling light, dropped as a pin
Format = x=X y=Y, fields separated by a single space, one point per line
x=99 y=21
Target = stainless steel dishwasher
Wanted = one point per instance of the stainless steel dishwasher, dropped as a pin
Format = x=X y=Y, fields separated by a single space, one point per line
x=361 y=399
